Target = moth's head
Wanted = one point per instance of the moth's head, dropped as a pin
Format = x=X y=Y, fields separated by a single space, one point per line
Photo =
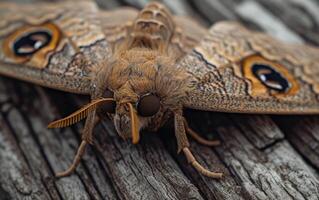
x=132 y=112
x=138 y=90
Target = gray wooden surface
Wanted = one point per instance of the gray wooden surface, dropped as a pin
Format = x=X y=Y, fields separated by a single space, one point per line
x=263 y=157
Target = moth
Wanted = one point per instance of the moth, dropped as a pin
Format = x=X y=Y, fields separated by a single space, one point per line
x=143 y=68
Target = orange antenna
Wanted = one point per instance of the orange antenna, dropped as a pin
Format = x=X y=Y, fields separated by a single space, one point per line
x=79 y=114
x=134 y=125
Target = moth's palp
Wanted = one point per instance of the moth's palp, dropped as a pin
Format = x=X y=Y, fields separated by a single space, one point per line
x=79 y=114
x=134 y=124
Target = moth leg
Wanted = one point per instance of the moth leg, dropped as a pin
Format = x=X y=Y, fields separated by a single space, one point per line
x=191 y=159
x=90 y=123
x=180 y=133
x=76 y=161
x=183 y=144
x=198 y=138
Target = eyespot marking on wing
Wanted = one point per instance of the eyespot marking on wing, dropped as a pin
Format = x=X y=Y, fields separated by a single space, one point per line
x=269 y=77
x=31 y=44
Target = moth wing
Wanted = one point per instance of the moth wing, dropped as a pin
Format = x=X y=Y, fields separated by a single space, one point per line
x=57 y=45
x=116 y=23
x=188 y=33
x=237 y=70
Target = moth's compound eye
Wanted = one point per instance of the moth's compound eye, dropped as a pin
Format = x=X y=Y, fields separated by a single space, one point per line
x=267 y=77
x=270 y=77
x=108 y=107
x=31 y=42
x=148 y=105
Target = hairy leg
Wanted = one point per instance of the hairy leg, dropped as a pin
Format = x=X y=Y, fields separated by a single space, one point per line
x=191 y=159
x=180 y=133
x=87 y=136
x=76 y=161
x=183 y=144
x=198 y=138
x=91 y=121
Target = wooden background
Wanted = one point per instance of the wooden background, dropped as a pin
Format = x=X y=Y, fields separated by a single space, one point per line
x=263 y=157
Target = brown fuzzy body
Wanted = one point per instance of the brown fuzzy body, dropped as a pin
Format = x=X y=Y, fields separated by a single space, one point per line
x=142 y=64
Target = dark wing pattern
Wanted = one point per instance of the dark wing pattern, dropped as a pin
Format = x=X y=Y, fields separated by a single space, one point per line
x=237 y=70
x=53 y=44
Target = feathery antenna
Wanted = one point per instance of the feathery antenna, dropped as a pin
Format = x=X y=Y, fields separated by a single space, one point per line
x=79 y=114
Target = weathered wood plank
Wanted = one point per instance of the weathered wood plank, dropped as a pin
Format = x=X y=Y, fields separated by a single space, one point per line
x=44 y=151
x=278 y=172
x=303 y=133
x=145 y=171
x=300 y=16
x=260 y=130
x=254 y=12
x=214 y=10
x=273 y=171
